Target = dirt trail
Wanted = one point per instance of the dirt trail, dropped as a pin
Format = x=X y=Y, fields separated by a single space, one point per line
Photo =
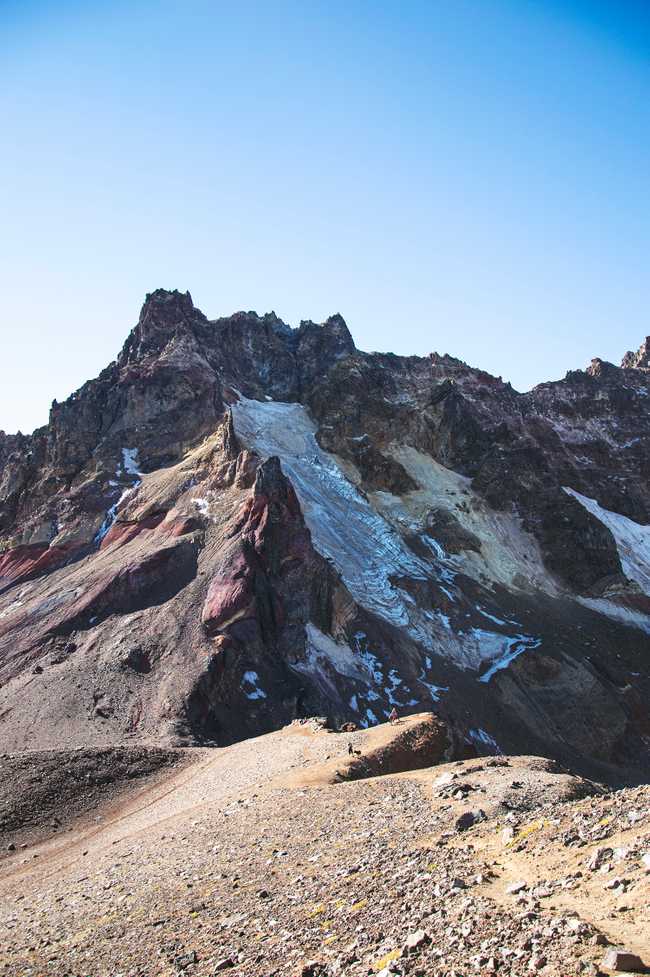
x=214 y=780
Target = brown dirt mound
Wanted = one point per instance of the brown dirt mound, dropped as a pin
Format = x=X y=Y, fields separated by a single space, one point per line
x=413 y=747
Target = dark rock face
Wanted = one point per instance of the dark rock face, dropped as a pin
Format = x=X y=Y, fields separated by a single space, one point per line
x=191 y=524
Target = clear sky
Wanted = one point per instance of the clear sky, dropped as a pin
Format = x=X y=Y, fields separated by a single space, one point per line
x=465 y=176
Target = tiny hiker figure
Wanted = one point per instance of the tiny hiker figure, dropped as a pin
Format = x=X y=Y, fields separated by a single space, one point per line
x=393 y=718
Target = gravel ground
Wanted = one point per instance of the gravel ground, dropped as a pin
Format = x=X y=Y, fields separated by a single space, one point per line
x=225 y=868
x=45 y=790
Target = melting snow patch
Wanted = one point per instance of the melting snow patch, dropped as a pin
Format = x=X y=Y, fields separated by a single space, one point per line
x=434 y=690
x=481 y=738
x=111 y=514
x=491 y=617
x=130 y=467
x=395 y=682
x=370 y=662
x=617 y=612
x=130 y=461
x=354 y=704
x=510 y=649
x=632 y=539
x=252 y=679
x=324 y=659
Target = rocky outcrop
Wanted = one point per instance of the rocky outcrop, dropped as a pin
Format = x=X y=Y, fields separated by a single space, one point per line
x=238 y=523
x=639 y=360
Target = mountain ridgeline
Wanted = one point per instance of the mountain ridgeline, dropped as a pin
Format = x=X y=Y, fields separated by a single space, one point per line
x=238 y=523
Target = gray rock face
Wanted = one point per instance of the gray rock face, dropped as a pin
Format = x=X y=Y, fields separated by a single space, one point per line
x=281 y=524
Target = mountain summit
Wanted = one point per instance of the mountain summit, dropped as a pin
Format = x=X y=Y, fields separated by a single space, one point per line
x=239 y=523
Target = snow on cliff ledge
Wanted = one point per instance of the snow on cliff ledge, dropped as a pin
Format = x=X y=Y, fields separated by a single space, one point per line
x=632 y=540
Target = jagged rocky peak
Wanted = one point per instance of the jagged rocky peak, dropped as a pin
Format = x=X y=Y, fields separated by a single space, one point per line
x=639 y=360
x=163 y=315
x=336 y=329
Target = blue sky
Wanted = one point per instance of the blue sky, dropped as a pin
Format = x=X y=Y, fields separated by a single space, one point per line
x=465 y=176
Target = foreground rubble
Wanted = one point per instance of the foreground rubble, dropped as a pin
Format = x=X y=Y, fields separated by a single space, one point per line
x=252 y=861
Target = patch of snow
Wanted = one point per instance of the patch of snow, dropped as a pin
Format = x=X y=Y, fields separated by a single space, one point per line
x=632 y=539
x=370 y=661
x=395 y=682
x=252 y=679
x=130 y=461
x=509 y=649
x=326 y=658
x=434 y=690
x=481 y=738
x=491 y=617
x=372 y=719
x=202 y=505
x=437 y=547
x=111 y=513
x=617 y=612
x=353 y=703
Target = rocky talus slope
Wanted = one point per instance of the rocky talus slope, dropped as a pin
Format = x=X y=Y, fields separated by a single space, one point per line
x=263 y=859
x=237 y=524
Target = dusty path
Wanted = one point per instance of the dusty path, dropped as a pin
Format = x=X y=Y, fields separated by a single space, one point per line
x=215 y=779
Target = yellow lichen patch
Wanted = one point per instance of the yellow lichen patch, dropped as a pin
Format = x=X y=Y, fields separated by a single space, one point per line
x=529 y=829
x=605 y=820
x=384 y=961
x=356 y=906
x=316 y=911
x=330 y=939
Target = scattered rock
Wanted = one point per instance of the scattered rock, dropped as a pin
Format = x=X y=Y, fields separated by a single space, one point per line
x=224 y=964
x=468 y=819
x=414 y=941
x=515 y=887
x=623 y=960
